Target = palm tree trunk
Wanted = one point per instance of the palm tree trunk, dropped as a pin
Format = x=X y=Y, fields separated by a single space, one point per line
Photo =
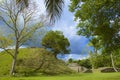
x=113 y=64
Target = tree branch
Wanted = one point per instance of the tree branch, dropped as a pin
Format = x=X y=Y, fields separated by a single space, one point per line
x=7 y=23
x=8 y=52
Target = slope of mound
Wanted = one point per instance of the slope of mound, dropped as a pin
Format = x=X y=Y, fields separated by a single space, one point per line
x=33 y=60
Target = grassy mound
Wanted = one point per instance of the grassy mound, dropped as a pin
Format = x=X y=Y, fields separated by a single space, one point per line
x=32 y=61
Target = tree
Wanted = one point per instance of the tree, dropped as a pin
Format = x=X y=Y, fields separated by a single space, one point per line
x=18 y=22
x=53 y=7
x=99 y=18
x=56 y=42
x=95 y=43
x=85 y=62
x=70 y=60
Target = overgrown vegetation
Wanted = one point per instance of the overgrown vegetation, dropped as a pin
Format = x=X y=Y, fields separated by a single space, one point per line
x=96 y=61
x=33 y=61
x=99 y=21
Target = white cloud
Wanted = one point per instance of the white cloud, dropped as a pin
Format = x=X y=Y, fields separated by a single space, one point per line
x=68 y=31
x=77 y=56
x=40 y=6
x=12 y=47
x=73 y=56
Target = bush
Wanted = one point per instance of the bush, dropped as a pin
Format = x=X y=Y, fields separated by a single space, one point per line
x=85 y=62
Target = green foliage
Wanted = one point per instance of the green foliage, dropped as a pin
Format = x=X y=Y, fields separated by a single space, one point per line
x=70 y=60
x=96 y=61
x=5 y=42
x=56 y=42
x=100 y=60
x=98 y=18
x=104 y=60
x=96 y=43
x=85 y=62
x=117 y=58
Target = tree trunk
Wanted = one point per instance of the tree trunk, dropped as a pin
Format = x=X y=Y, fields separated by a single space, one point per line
x=55 y=55
x=95 y=50
x=12 y=72
x=93 y=68
x=113 y=64
x=93 y=61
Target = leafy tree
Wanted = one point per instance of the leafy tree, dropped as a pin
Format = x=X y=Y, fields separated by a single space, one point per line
x=100 y=60
x=95 y=43
x=70 y=60
x=117 y=58
x=19 y=26
x=85 y=62
x=53 y=7
x=56 y=42
x=99 y=18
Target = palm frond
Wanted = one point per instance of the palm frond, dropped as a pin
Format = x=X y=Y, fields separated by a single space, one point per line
x=54 y=9
x=23 y=3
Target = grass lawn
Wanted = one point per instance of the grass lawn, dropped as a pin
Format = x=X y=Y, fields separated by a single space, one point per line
x=82 y=76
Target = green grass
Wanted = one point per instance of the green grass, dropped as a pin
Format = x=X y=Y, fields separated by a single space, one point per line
x=82 y=76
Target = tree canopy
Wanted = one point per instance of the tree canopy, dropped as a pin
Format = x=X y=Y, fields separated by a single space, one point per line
x=101 y=19
x=98 y=18
x=56 y=42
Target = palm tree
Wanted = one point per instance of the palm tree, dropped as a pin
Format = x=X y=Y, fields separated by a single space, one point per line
x=53 y=7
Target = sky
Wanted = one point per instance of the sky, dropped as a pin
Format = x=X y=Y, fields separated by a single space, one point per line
x=66 y=24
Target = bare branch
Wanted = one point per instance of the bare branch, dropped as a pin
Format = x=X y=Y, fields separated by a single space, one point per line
x=8 y=52
x=6 y=23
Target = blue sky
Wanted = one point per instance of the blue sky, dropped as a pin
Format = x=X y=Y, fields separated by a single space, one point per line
x=66 y=24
